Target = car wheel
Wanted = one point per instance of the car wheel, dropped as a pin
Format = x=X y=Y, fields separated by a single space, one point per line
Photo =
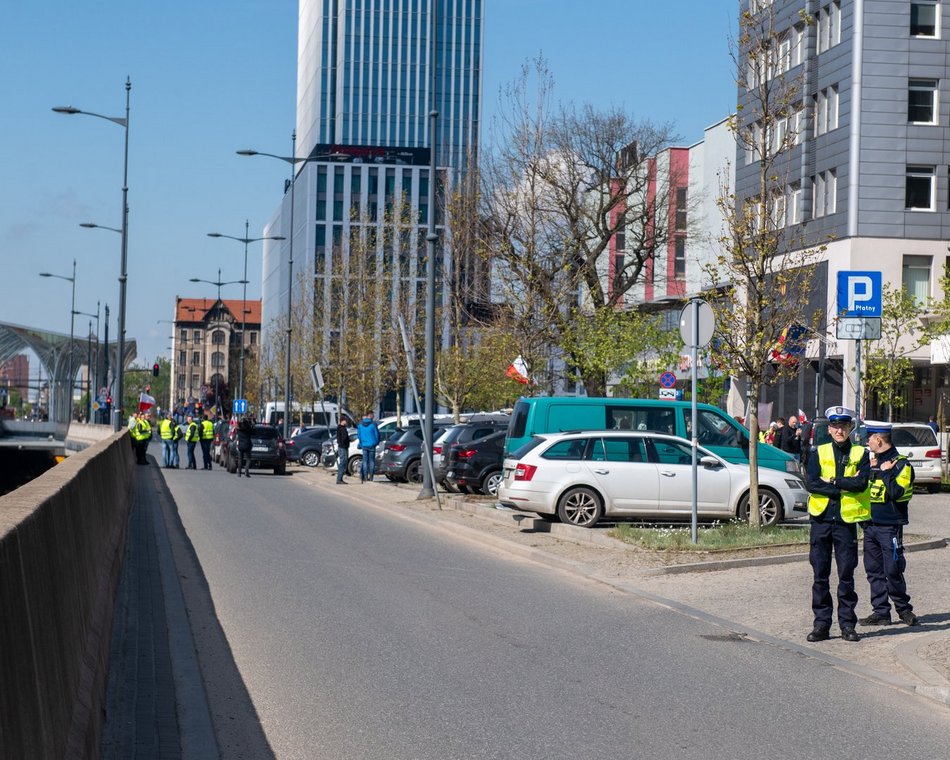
x=414 y=472
x=770 y=507
x=353 y=465
x=310 y=458
x=933 y=488
x=491 y=482
x=580 y=506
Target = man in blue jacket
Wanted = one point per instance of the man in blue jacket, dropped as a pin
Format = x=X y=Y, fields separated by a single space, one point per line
x=367 y=439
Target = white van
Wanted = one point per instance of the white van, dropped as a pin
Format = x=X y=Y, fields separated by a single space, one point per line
x=326 y=414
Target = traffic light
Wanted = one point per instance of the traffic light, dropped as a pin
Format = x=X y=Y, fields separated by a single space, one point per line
x=155 y=369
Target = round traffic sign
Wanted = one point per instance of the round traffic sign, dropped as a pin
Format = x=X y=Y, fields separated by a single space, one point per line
x=705 y=319
x=667 y=379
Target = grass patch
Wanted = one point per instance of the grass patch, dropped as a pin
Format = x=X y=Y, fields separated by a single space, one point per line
x=718 y=536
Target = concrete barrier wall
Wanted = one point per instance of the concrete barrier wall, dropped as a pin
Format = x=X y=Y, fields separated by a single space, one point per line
x=62 y=539
x=82 y=435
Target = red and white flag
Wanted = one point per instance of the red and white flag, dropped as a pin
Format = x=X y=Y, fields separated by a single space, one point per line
x=802 y=417
x=146 y=402
x=518 y=370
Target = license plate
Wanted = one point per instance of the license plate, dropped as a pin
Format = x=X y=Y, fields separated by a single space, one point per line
x=917 y=462
x=258 y=448
x=450 y=474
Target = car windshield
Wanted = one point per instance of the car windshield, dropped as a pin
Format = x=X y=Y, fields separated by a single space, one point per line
x=913 y=436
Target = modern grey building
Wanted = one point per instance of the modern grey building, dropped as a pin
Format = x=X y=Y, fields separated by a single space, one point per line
x=869 y=168
x=364 y=95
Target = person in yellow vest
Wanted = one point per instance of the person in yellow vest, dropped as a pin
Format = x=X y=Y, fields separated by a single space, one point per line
x=166 y=432
x=837 y=481
x=207 y=436
x=192 y=436
x=142 y=433
x=892 y=485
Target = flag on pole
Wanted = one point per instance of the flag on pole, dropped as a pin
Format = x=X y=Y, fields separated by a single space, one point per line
x=518 y=370
x=146 y=402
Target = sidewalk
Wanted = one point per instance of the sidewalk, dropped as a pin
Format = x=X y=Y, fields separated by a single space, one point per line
x=758 y=599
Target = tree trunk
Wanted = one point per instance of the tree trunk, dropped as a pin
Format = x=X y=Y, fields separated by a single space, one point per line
x=755 y=518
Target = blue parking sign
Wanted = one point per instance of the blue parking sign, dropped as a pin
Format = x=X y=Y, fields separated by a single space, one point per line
x=859 y=294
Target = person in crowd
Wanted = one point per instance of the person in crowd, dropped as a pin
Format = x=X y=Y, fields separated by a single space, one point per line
x=892 y=485
x=207 y=436
x=342 y=450
x=192 y=436
x=837 y=481
x=789 y=437
x=245 y=429
x=368 y=440
x=166 y=433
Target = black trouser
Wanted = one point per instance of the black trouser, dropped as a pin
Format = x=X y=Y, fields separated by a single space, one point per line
x=206 y=453
x=842 y=540
x=884 y=564
x=244 y=461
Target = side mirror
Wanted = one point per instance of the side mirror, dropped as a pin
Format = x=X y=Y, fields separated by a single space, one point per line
x=709 y=462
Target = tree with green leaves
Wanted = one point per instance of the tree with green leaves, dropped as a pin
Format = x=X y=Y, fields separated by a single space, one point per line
x=766 y=264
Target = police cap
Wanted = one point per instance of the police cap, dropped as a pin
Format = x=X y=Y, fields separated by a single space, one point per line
x=839 y=414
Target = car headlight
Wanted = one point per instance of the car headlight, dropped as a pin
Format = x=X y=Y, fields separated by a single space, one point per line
x=795 y=484
x=792 y=466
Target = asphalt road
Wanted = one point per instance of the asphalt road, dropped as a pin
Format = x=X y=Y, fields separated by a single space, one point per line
x=339 y=630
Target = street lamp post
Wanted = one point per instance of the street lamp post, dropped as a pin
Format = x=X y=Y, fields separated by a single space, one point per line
x=293 y=160
x=123 y=269
x=89 y=381
x=219 y=283
x=244 y=240
x=72 y=321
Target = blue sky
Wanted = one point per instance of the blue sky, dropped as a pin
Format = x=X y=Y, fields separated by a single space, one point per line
x=215 y=76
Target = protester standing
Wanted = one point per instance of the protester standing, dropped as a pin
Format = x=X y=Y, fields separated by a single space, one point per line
x=192 y=436
x=245 y=429
x=342 y=450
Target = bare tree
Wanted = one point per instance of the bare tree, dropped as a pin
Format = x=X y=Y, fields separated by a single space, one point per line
x=764 y=270
x=560 y=184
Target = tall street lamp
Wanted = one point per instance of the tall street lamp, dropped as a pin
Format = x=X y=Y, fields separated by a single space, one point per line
x=244 y=240
x=89 y=381
x=293 y=160
x=72 y=319
x=123 y=269
x=219 y=283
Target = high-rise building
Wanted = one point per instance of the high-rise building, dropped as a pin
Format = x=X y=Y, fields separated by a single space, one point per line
x=364 y=94
x=868 y=165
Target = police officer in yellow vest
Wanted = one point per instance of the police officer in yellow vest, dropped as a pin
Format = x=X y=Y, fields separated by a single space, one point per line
x=207 y=435
x=192 y=436
x=892 y=485
x=837 y=479
x=166 y=433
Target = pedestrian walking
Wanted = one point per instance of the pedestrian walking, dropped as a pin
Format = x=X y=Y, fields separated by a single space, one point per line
x=207 y=436
x=243 y=433
x=367 y=440
x=892 y=485
x=192 y=436
x=342 y=450
x=837 y=481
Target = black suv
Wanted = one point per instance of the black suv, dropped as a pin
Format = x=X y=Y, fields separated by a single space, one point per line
x=402 y=458
x=267 y=450
x=479 y=426
x=306 y=446
x=477 y=466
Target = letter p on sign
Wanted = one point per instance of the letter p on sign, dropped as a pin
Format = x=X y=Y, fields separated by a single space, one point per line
x=859 y=294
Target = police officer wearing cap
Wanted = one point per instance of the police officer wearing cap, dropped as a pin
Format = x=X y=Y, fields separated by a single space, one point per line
x=892 y=485
x=837 y=481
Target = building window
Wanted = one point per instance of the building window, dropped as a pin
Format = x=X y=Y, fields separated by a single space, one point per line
x=196 y=358
x=217 y=337
x=679 y=258
x=922 y=101
x=620 y=238
x=777 y=210
x=798 y=45
x=829 y=26
x=826 y=110
x=797 y=125
x=793 y=213
x=253 y=338
x=194 y=382
x=184 y=336
x=681 y=208
x=196 y=336
x=182 y=357
x=916 y=278
x=919 y=193
x=923 y=19
x=217 y=359
x=824 y=193
x=181 y=384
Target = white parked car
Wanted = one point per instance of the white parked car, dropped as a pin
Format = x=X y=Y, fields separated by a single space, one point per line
x=583 y=477
x=918 y=442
